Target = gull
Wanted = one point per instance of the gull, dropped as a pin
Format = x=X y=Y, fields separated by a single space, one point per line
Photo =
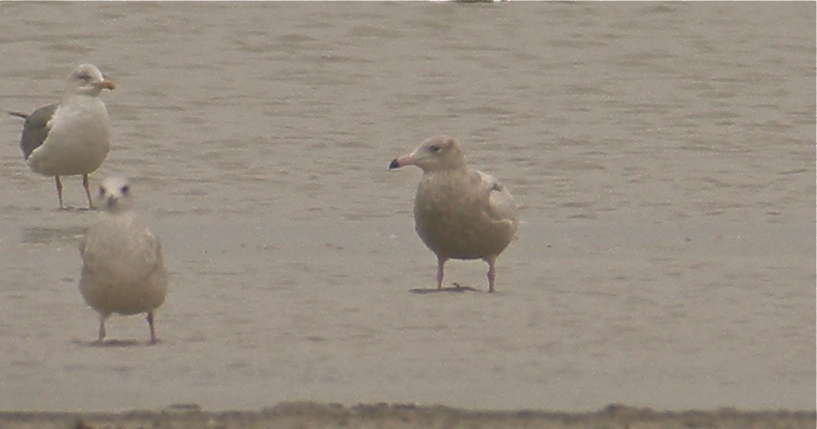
x=459 y=212
x=123 y=270
x=71 y=137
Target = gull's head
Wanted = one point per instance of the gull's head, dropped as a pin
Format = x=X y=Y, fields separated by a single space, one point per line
x=115 y=195
x=86 y=79
x=435 y=154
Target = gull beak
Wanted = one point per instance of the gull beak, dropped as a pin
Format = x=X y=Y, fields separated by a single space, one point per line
x=106 y=84
x=401 y=161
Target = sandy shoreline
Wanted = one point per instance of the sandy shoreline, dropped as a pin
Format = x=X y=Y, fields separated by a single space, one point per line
x=318 y=415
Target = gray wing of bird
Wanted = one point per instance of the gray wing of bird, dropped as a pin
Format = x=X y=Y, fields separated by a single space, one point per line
x=36 y=127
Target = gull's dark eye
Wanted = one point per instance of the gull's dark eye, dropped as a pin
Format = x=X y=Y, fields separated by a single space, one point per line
x=125 y=190
x=434 y=148
x=85 y=77
x=101 y=191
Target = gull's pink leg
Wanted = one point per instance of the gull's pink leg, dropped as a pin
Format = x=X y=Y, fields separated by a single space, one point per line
x=491 y=260
x=59 y=190
x=101 y=328
x=153 y=339
x=440 y=271
x=85 y=185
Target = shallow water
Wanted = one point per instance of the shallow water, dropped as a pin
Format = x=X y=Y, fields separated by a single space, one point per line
x=662 y=156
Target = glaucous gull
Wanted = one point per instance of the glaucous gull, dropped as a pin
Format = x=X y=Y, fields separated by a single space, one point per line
x=73 y=136
x=459 y=212
x=123 y=270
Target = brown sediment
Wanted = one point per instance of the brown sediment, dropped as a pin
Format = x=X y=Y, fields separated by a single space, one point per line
x=398 y=416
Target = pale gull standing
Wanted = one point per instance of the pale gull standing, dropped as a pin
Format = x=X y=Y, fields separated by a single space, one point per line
x=123 y=270
x=73 y=136
x=459 y=212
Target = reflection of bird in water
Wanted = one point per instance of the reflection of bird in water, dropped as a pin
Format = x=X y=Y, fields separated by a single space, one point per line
x=123 y=270
x=71 y=137
x=459 y=212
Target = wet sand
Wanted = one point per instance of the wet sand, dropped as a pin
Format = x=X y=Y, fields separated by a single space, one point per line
x=662 y=155
x=318 y=415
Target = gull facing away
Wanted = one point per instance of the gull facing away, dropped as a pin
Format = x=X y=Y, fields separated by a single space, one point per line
x=459 y=212
x=123 y=270
x=71 y=137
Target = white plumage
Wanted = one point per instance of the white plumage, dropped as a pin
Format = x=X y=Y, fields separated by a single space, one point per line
x=72 y=137
x=459 y=212
x=123 y=270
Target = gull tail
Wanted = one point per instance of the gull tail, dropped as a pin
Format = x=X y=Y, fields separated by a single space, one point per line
x=17 y=114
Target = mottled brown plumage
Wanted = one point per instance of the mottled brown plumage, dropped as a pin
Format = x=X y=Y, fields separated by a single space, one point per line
x=459 y=212
x=123 y=270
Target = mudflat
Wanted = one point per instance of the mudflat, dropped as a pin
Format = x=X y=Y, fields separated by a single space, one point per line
x=328 y=415
x=662 y=155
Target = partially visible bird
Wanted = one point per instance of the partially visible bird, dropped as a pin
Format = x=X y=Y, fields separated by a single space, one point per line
x=459 y=212
x=71 y=137
x=123 y=270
